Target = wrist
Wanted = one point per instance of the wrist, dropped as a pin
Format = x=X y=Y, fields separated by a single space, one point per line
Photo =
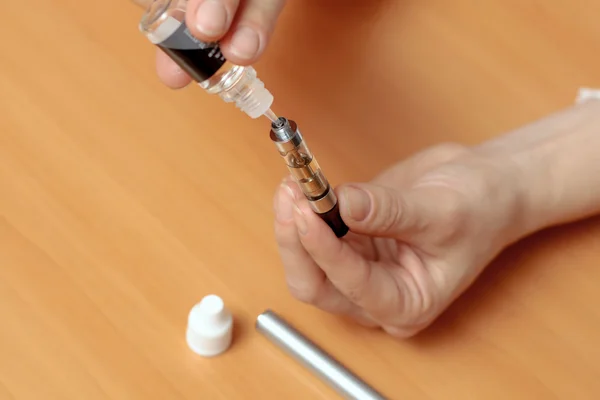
x=553 y=168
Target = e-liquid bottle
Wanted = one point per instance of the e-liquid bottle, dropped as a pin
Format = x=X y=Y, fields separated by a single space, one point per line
x=163 y=23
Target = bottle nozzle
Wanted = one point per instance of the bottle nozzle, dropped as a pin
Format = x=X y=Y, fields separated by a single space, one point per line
x=248 y=93
x=271 y=115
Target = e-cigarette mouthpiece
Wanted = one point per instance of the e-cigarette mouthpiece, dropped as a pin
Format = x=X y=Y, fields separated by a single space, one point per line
x=306 y=171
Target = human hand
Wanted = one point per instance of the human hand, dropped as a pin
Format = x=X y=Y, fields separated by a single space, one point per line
x=242 y=27
x=421 y=233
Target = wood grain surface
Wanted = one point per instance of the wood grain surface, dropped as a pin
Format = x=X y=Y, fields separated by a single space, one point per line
x=122 y=203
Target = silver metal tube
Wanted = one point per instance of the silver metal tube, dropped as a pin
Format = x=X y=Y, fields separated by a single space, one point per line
x=295 y=344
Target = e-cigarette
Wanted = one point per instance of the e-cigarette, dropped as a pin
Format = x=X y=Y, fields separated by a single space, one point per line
x=307 y=173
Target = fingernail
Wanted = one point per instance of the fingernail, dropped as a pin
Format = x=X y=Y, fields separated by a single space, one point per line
x=300 y=220
x=211 y=18
x=245 y=43
x=284 y=207
x=358 y=203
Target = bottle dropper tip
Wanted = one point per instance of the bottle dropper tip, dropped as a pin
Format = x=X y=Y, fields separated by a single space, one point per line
x=271 y=115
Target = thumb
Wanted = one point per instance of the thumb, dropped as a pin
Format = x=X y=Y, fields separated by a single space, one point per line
x=385 y=212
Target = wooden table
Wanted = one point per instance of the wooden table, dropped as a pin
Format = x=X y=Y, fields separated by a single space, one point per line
x=122 y=202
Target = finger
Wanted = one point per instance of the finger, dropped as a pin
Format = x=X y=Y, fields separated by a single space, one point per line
x=251 y=30
x=209 y=20
x=385 y=212
x=400 y=332
x=363 y=319
x=169 y=72
x=366 y=284
x=305 y=280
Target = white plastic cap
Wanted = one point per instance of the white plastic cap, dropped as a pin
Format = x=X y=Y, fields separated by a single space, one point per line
x=210 y=324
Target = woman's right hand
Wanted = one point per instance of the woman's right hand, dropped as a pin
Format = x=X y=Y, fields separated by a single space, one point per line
x=242 y=27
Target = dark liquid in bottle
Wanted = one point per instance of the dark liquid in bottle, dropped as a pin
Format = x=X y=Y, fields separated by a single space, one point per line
x=199 y=59
x=199 y=64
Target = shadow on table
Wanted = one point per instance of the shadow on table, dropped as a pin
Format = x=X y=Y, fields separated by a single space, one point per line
x=514 y=267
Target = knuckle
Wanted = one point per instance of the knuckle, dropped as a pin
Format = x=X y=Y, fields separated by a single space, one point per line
x=364 y=321
x=309 y=294
x=354 y=294
x=428 y=307
x=399 y=332
x=397 y=209
x=355 y=291
x=406 y=331
x=388 y=211
x=454 y=211
x=355 y=287
x=282 y=237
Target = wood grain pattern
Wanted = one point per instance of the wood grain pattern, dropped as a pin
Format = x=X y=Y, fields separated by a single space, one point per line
x=122 y=203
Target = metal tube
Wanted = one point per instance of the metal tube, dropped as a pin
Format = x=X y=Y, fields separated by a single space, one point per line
x=295 y=344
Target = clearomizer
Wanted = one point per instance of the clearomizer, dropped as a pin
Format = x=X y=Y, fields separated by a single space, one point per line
x=164 y=25
x=306 y=171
